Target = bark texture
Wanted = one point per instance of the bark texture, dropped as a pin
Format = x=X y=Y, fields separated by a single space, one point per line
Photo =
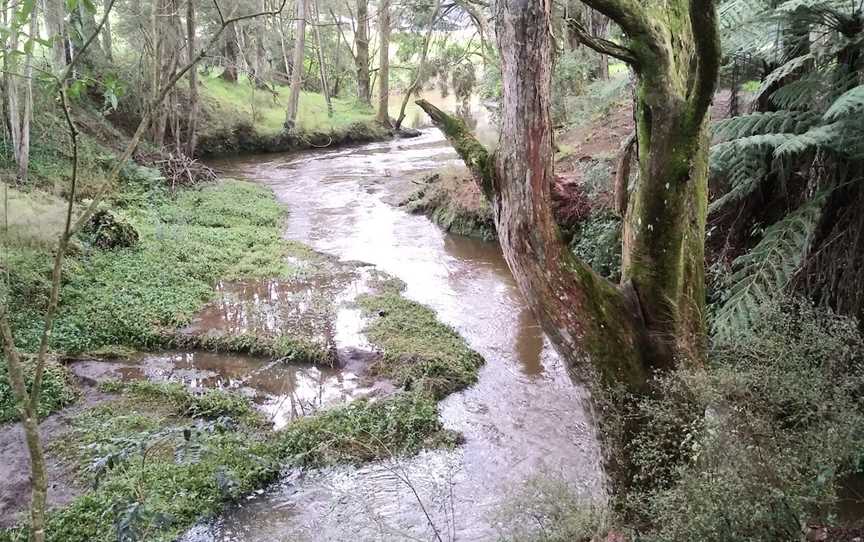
x=297 y=67
x=361 y=57
x=384 y=63
x=655 y=317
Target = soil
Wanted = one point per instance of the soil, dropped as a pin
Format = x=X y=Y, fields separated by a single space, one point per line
x=15 y=468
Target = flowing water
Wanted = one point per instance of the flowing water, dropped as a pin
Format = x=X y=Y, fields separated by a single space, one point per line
x=525 y=418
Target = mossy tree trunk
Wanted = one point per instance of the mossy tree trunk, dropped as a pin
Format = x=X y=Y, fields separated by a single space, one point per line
x=622 y=332
x=361 y=59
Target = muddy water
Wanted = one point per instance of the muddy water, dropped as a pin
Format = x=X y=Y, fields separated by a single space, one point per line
x=524 y=418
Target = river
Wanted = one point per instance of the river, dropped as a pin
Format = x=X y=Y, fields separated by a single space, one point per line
x=525 y=418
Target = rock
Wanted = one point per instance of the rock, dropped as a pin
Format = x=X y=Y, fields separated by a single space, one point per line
x=408 y=133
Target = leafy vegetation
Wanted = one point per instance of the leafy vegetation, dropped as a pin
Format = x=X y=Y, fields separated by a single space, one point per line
x=130 y=295
x=57 y=390
x=788 y=174
x=761 y=444
x=419 y=352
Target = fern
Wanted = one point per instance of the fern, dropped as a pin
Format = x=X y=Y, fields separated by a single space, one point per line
x=835 y=136
x=850 y=103
x=802 y=93
x=764 y=123
x=784 y=71
x=765 y=271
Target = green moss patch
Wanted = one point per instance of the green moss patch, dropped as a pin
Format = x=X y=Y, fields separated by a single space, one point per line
x=419 y=352
x=128 y=296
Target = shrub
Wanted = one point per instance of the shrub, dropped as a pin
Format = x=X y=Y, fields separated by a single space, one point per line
x=757 y=446
x=598 y=243
x=57 y=391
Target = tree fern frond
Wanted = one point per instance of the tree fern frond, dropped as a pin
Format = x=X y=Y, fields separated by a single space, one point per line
x=836 y=136
x=781 y=73
x=801 y=94
x=848 y=104
x=765 y=271
x=726 y=156
x=794 y=122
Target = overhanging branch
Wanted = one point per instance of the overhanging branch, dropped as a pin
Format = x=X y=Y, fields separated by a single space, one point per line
x=472 y=152
x=602 y=46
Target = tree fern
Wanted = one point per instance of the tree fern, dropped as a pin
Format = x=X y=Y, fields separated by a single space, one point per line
x=782 y=72
x=771 y=122
x=850 y=103
x=766 y=270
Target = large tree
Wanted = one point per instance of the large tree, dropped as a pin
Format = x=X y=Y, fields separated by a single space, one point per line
x=656 y=315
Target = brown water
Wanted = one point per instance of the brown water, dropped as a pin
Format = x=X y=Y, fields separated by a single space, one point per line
x=525 y=417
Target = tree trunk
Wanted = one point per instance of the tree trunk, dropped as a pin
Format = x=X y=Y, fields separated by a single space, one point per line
x=384 y=64
x=231 y=54
x=655 y=317
x=418 y=76
x=361 y=58
x=56 y=26
x=192 y=121
x=600 y=29
x=107 y=37
x=322 y=69
x=297 y=67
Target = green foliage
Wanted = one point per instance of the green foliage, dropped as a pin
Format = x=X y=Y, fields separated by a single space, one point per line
x=231 y=104
x=549 y=510
x=173 y=469
x=419 y=352
x=759 y=445
x=128 y=296
x=57 y=390
x=365 y=430
x=106 y=230
x=597 y=242
x=792 y=156
x=766 y=269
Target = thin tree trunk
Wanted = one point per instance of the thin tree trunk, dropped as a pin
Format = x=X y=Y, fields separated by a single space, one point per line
x=107 y=37
x=230 y=72
x=192 y=121
x=418 y=75
x=54 y=21
x=322 y=69
x=361 y=58
x=27 y=113
x=384 y=64
x=600 y=29
x=297 y=67
x=285 y=60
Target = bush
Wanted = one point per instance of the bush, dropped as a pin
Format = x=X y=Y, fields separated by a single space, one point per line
x=598 y=243
x=57 y=391
x=756 y=447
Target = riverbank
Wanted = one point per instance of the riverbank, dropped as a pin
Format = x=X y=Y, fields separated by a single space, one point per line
x=237 y=118
x=208 y=269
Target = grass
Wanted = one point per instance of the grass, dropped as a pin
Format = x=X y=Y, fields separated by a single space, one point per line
x=419 y=352
x=57 y=391
x=130 y=296
x=232 y=103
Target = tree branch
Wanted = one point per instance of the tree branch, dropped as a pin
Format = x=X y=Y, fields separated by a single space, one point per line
x=703 y=20
x=602 y=46
x=472 y=152
x=628 y=14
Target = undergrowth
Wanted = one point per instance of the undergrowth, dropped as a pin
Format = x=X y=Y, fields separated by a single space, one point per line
x=419 y=352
